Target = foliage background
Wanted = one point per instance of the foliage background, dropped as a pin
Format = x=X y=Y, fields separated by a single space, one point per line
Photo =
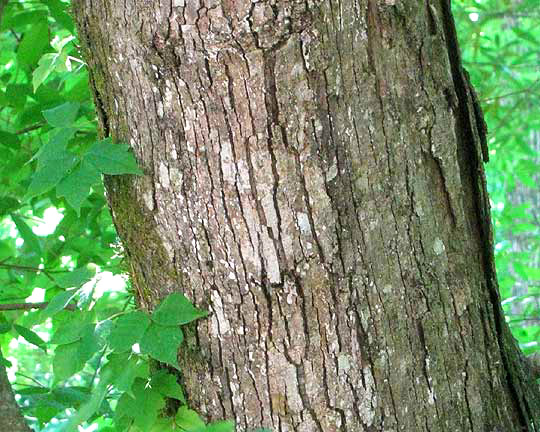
x=58 y=245
x=500 y=42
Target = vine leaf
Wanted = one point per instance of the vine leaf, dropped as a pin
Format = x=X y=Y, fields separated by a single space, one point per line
x=166 y=384
x=71 y=331
x=27 y=234
x=176 y=309
x=142 y=408
x=58 y=61
x=112 y=159
x=125 y=368
x=30 y=336
x=71 y=358
x=33 y=43
x=74 y=278
x=162 y=343
x=59 y=302
x=128 y=330
x=189 y=420
x=75 y=187
x=63 y=115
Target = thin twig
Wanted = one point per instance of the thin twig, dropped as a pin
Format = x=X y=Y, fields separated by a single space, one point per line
x=31 y=269
x=31 y=379
x=29 y=128
x=29 y=306
x=527 y=89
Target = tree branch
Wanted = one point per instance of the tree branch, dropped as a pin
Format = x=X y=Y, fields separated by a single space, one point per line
x=29 y=128
x=28 y=306
x=31 y=269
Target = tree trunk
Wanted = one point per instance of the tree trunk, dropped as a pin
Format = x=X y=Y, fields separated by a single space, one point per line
x=11 y=418
x=314 y=179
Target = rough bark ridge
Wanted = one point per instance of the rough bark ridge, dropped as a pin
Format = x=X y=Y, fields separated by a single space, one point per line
x=313 y=178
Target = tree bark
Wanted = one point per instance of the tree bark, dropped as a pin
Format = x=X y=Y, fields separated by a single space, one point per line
x=11 y=418
x=314 y=179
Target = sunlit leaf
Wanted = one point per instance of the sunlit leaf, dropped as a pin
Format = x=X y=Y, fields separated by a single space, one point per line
x=47 y=64
x=59 y=302
x=74 y=278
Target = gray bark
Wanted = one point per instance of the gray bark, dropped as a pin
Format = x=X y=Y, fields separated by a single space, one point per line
x=314 y=178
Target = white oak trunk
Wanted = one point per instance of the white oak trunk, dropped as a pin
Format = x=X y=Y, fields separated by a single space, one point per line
x=314 y=179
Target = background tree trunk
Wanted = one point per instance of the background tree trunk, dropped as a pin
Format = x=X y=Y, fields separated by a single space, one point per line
x=11 y=418
x=314 y=178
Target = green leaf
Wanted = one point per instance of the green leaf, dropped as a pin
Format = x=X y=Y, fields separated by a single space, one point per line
x=17 y=20
x=9 y=140
x=71 y=395
x=5 y=325
x=128 y=330
x=162 y=343
x=67 y=361
x=166 y=424
x=63 y=115
x=47 y=64
x=166 y=384
x=75 y=187
x=125 y=367
x=221 y=426
x=525 y=35
x=54 y=147
x=92 y=404
x=71 y=331
x=111 y=158
x=71 y=358
x=58 y=11
x=27 y=234
x=16 y=95
x=8 y=204
x=7 y=249
x=189 y=420
x=59 y=44
x=59 y=302
x=30 y=336
x=144 y=407
x=4 y=361
x=33 y=43
x=176 y=309
x=74 y=278
x=50 y=174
